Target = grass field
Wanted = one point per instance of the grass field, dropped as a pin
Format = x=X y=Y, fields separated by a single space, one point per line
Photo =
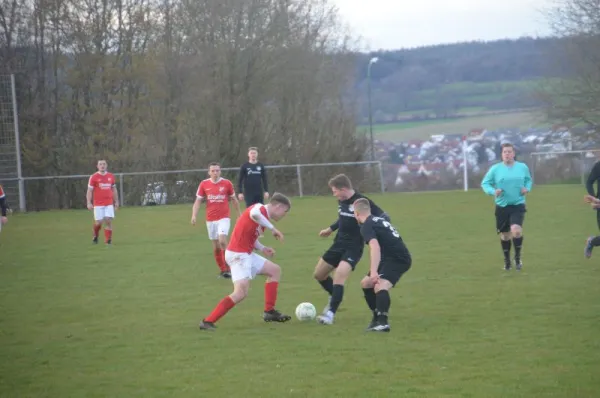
x=398 y=132
x=81 y=320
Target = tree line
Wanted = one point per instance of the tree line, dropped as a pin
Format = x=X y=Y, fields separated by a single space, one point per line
x=175 y=84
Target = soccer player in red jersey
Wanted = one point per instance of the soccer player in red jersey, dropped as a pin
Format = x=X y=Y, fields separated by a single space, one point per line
x=3 y=207
x=245 y=264
x=102 y=186
x=217 y=192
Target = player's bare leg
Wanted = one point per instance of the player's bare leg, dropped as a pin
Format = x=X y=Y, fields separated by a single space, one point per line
x=219 y=247
x=273 y=273
x=370 y=297
x=505 y=241
x=517 y=239
x=382 y=306
x=108 y=230
x=240 y=292
x=342 y=272
x=322 y=275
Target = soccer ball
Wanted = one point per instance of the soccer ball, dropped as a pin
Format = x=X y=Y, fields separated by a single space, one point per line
x=306 y=312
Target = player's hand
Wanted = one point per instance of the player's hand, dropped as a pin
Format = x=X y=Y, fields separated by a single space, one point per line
x=116 y=206
x=277 y=234
x=374 y=276
x=498 y=192
x=240 y=196
x=4 y=220
x=325 y=233
x=596 y=205
x=266 y=196
x=590 y=199
x=268 y=251
x=90 y=206
x=524 y=191
x=193 y=220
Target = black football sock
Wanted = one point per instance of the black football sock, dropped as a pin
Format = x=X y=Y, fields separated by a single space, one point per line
x=518 y=242
x=383 y=305
x=596 y=241
x=506 y=249
x=336 y=297
x=327 y=284
x=370 y=298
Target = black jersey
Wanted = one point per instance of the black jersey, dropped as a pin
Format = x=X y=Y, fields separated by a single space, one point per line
x=593 y=177
x=252 y=179
x=390 y=241
x=346 y=224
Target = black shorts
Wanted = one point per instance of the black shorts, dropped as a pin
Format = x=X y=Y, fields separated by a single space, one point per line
x=598 y=218
x=509 y=215
x=253 y=198
x=343 y=252
x=392 y=269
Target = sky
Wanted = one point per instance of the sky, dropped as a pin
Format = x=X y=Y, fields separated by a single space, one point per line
x=395 y=24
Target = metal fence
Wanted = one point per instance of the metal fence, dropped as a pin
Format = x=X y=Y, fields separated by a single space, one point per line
x=179 y=186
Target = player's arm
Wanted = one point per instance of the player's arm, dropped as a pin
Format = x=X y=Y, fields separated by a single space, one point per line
x=200 y=198
x=236 y=203
x=115 y=196
x=89 y=193
x=241 y=178
x=488 y=183
x=263 y=221
x=527 y=180
x=592 y=178
x=263 y=176
x=370 y=238
x=378 y=211
x=262 y=248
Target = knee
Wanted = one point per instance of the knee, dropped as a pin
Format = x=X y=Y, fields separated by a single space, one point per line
x=505 y=235
x=275 y=274
x=516 y=231
x=319 y=275
x=222 y=244
x=366 y=283
x=239 y=293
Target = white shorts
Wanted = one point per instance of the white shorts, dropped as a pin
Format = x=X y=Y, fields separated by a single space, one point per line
x=244 y=265
x=219 y=227
x=102 y=212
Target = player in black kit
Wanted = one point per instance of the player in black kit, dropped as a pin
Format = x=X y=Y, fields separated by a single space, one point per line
x=592 y=198
x=390 y=259
x=347 y=247
x=252 y=180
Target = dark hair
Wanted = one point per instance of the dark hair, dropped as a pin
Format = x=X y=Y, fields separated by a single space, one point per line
x=340 y=181
x=214 y=164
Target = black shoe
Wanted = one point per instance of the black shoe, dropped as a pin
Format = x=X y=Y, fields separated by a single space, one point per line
x=380 y=327
x=207 y=326
x=109 y=242
x=373 y=322
x=507 y=265
x=518 y=264
x=95 y=240
x=275 y=316
x=225 y=274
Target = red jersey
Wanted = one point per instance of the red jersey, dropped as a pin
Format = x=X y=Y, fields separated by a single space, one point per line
x=102 y=186
x=246 y=231
x=2 y=194
x=217 y=196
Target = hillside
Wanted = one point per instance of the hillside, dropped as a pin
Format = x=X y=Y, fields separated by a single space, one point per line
x=443 y=81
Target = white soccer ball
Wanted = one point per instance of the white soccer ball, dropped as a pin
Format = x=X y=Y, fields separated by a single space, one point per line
x=306 y=312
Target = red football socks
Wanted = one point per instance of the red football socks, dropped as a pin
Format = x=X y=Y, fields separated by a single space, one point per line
x=220 y=259
x=220 y=310
x=107 y=234
x=97 y=228
x=270 y=295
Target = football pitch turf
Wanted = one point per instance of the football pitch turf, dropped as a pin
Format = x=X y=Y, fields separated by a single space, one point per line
x=78 y=320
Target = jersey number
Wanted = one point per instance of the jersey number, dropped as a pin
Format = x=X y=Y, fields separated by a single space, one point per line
x=391 y=228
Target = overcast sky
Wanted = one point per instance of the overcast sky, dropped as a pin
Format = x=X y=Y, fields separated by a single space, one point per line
x=394 y=24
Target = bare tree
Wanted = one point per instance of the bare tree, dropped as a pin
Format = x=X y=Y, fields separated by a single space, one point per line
x=576 y=97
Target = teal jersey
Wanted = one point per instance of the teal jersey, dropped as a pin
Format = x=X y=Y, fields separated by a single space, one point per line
x=510 y=179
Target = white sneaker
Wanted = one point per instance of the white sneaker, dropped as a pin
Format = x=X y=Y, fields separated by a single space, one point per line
x=327 y=307
x=326 y=319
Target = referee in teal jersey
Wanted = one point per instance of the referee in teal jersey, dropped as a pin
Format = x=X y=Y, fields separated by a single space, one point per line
x=509 y=182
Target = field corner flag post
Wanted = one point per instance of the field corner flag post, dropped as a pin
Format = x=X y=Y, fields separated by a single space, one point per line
x=465 y=164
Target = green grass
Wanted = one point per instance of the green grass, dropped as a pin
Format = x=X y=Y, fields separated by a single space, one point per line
x=398 y=132
x=95 y=321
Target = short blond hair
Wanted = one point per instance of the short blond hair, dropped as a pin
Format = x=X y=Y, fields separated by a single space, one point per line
x=281 y=199
x=362 y=205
